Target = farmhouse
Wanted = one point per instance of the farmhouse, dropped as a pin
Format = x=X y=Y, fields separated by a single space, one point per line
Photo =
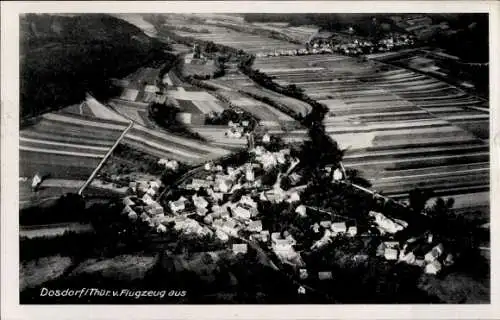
x=301 y=211
x=221 y=235
x=240 y=248
x=177 y=206
x=255 y=226
x=434 y=254
x=325 y=275
x=433 y=267
x=386 y=225
x=339 y=227
x=199 y=202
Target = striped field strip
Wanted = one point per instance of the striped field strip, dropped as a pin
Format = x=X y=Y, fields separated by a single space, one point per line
x=77 y=154
x=62 y=144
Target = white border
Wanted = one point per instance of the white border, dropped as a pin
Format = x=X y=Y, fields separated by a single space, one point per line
x=9 y=169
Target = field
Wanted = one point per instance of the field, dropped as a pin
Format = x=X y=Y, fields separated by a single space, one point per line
x=402 y=129
x=259 y=109
x=67 y=146
x=245 y=41
x=135 y=111
x=195 y=100
x=301 y=34
x=241 y=83
x=140 y=86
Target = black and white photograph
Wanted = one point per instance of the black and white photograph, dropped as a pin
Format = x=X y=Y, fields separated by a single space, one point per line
x=253 y=157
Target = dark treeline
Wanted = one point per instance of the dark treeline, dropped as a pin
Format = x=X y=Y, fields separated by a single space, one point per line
x=366 y=24
x=470 y=42
x=62 y=57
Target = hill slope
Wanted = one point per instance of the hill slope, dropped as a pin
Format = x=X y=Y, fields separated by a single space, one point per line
x=63 y=56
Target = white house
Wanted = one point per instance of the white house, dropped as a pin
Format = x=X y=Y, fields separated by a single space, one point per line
x=208 y=219
x=280 y=158
x=433 y=267
x=224 y=185
x=132 y=186
x=327 y=224
x=132 y=215
x=265 y=235
x=325 y=275
x=434 y=254
x=151 y=192
x=303 y=273
x=208 y=166
x=255 y=226
x=128 y=202
x=339 y=227
x=449 y=260
x=240 y=248
x=177 y=206
x=301 y=211
x=391 y=254
x=201 y=211
x=248 y=201
x=386 y=225
x=249 y=174
x=161 y=228
x=294 y=178
x=266 y=138
x=199 y=202
x=142 y=187
x=293 y=197
x=155 y=185
x=37 y=180
x=301 y=290
x=315 y=227
x=241 y=212
x=337 y=175
x=127 y=209
x=327 y=238
x=221 y=235
x=147 y=199
x=409 y=258
x=155 y=208
x=352 y=231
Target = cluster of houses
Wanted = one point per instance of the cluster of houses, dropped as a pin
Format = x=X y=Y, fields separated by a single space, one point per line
x=422 y=252
x=141 y=205
x=169 y=164
x=395 y=41
x=354 y=46
x=216 y=211
x=223 y=202
x=296 y=52
x=237 y=130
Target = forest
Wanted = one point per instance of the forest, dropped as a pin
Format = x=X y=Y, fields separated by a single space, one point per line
x=62 y=57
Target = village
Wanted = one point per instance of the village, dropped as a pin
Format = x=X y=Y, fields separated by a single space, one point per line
x=347 y=45
x=224 y=202
x=252 y=167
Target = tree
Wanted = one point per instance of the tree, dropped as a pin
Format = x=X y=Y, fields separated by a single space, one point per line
x=418 y=199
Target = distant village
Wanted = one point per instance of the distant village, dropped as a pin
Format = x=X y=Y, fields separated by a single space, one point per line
x=351 y=46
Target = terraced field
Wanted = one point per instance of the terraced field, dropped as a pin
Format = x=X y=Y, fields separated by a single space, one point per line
x=67 y=145
x=239 y=40
x=260 y=110
x=138 y=112
x=241 y=83
x=402 y=129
